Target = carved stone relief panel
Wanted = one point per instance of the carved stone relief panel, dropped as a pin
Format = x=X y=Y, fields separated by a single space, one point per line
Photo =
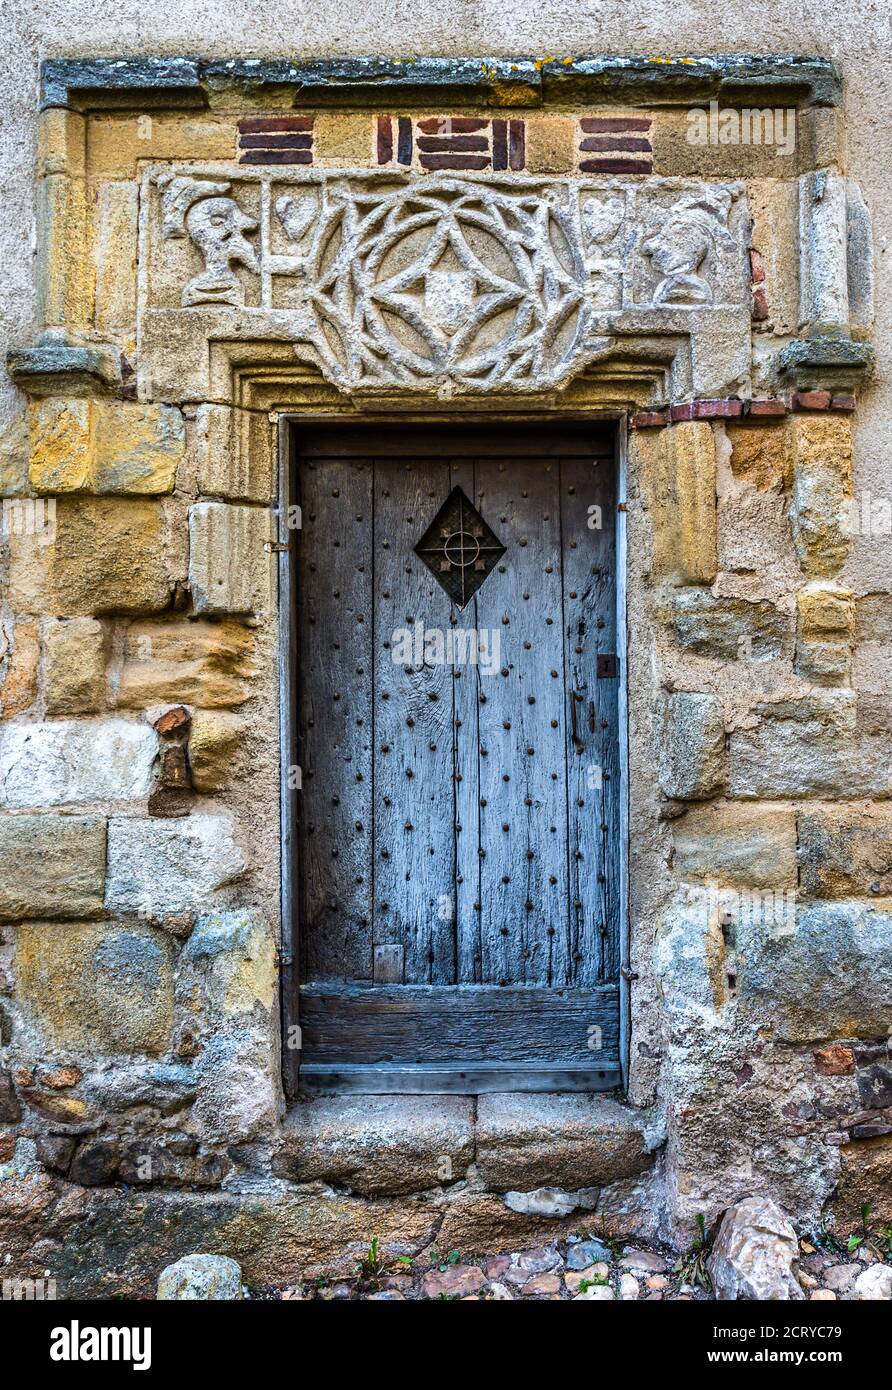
x=456 y=284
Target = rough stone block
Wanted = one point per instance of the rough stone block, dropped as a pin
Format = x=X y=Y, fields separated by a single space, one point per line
x=873 y=614
x=726 y=629
x=845 y=851
x=159 y=866
x=229 y=569
x=74 y=666
x=822 y=484
x=692 y=751
x=344 y=137
x=235 y=454
x=51 y=866
x=570 y=1141
x=238 y=1094
x=69 y=762
x=550 y=144
x=64 y=273
x=754 y=1253
x=233 y=956
x=827 y=745
x=823 y=276
x=101 y=987
x=202 y=663
x=61 y=143
x=104 y=556
x=97 y=446
x=827 y=973
x=678 y=481
x=761 y=454
x=205 y=1278
x=754 y=846
x=20 y=658
x=825 y=625
x=213 y=745
x=380 y=1144
x=15 y=453
x=865 y=1177
x=117 y=238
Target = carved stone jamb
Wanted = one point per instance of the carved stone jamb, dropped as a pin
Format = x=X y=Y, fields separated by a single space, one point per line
x=836 y=287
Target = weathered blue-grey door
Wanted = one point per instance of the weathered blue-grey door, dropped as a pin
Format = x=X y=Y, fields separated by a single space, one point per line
x=459 y=830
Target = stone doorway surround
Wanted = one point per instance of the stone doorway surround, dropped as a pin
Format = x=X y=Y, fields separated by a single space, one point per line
x=224 y=246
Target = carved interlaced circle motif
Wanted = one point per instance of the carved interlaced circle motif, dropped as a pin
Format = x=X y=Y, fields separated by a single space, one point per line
x=452 y=280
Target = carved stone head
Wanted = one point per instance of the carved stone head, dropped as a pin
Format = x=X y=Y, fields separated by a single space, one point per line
x=219 y=229
x=683 y=242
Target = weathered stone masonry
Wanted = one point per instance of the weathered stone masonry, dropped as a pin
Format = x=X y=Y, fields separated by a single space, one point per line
x=208 y=233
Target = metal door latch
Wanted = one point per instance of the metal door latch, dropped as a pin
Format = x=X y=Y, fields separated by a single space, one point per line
x=276 y=547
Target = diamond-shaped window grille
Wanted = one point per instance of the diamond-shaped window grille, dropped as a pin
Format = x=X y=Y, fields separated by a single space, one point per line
x=459 y=548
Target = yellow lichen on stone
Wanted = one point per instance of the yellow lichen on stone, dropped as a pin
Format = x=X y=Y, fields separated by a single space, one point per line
x=822 y=489
x=94 y=556
x=760 y=454
x=64 y=265
x=61 y=143
x=101 y=986
x=825 y=630
x=79 y=445
x=18 y=678
x=201 y=663
x=116 y=143
x=678 y=481
x=61 y=454
x=74 y=667
x=825 y=608
x=214 y=742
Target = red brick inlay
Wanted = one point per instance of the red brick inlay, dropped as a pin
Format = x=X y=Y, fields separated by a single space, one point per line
x=615 y=145
x=731 y=407
x=275 y=140
x=452 y=142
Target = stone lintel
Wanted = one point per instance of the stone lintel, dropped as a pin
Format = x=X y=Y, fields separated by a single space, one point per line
x=738 y=79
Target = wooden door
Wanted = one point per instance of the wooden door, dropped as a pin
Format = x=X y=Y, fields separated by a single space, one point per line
x=459 y=829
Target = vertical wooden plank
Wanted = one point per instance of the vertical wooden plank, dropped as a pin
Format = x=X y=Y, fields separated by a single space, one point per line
x=524 y=919
x=589 y=567
x=335 y=718
x=469 y=686
x=414 y=798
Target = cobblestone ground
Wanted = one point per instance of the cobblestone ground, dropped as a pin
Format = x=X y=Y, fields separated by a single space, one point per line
x=583 y=1267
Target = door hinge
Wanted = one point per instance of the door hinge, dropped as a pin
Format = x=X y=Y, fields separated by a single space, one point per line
x=628 y=974
x=608 y=665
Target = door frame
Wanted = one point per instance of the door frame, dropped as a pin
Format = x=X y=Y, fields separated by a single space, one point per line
x=288 y=426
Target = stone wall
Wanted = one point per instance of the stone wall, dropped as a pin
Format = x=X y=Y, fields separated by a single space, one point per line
x=141 y=1105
